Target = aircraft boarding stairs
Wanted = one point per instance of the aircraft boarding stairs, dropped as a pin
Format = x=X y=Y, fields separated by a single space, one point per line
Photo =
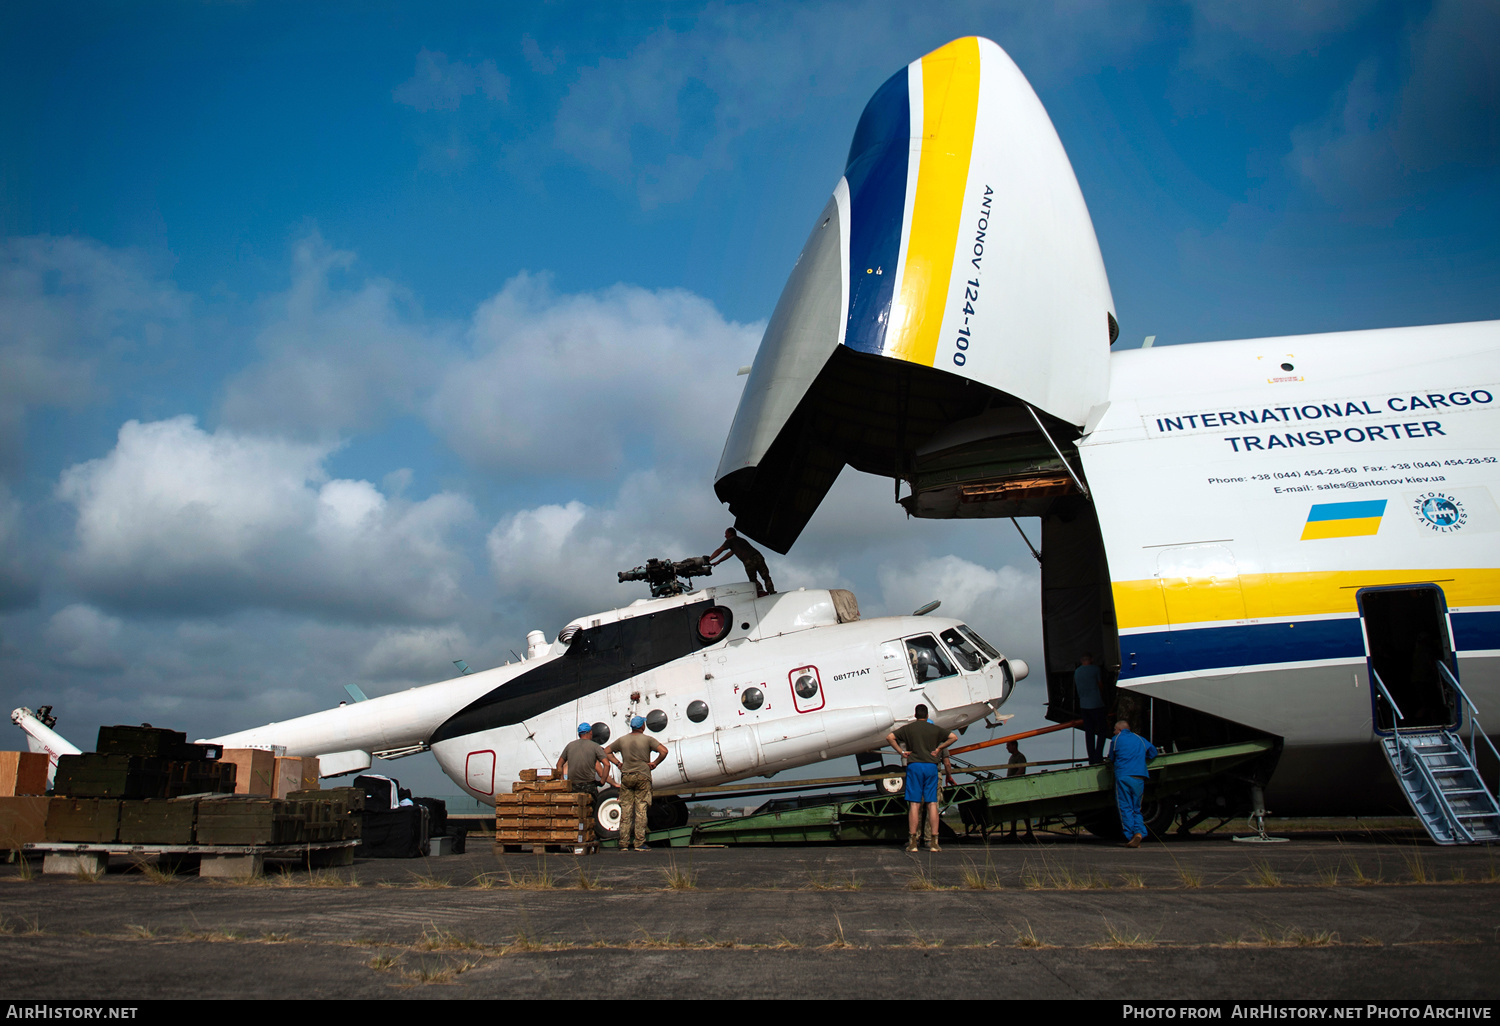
x=1439 y=777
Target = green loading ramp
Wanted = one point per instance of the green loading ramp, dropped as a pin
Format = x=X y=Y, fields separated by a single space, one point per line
x=986 y=804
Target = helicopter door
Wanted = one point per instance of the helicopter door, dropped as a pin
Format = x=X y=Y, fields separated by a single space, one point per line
x=894 y=665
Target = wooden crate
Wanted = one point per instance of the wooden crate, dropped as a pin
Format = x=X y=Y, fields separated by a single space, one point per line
x=23 y=820
x=83 y=820
x=541 y=822
x=543 y=836
x=310 y=778
x=547 y=799
x=23 y=773
x=254 y=770
x=158 y=822
x=286 y=776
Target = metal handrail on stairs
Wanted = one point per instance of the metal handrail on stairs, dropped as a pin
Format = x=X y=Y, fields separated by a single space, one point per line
x=1473 y=725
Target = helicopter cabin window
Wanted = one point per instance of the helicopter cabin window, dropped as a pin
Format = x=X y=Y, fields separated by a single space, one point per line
x=928 y=662
x=980 y=643
x=964 y=653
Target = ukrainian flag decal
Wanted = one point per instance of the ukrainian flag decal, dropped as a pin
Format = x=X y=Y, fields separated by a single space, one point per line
x=1343 y=519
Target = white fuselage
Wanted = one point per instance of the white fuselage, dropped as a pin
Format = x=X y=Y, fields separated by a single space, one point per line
x=1210 y=470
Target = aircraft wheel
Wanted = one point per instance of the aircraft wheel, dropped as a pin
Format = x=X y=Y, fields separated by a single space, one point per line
x=607 y=814
x=895 y=783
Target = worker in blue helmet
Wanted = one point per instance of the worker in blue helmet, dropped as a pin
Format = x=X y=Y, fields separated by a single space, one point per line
x=587 y=762
x=635 y=750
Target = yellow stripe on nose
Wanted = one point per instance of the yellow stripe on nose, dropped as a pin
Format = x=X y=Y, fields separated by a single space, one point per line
x=950 y=105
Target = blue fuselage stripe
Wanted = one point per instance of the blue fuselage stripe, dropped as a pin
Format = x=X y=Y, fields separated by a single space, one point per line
x=1207 y=648
x=876 y=173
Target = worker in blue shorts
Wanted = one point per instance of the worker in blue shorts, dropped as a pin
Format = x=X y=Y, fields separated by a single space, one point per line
x=922 y=745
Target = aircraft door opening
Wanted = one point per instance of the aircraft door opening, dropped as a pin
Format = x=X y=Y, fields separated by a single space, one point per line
x=1407 y=634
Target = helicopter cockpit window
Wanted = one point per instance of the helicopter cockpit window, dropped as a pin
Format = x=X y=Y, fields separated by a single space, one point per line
x=964 y=652
x=980 y=643
x=928 y=662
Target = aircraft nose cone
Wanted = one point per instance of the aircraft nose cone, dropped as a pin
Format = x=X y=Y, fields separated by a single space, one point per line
x=1018 y=669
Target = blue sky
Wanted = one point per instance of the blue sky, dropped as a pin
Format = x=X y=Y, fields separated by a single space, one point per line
x=340 y=341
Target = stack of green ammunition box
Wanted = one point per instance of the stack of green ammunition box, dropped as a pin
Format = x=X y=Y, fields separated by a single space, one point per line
x=333 y=814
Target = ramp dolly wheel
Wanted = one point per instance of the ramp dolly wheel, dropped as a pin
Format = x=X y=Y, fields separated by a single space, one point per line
x=607 y=814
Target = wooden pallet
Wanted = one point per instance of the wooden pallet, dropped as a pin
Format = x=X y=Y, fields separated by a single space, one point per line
x=541 y=848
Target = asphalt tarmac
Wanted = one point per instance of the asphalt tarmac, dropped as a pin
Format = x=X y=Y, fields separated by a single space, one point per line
x=1327 y=916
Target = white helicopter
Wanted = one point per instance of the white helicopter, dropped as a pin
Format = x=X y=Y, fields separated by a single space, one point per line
x=734 y=684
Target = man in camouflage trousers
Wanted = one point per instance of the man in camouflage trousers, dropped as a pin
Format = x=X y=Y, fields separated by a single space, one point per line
x=635 y=750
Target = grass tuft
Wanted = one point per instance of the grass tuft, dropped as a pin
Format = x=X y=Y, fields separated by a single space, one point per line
x=270 y=937
x=1263 y=874
x=679 y=879
x=1133 y=881
x=1328 y=876
x=538 y=879
x=210 y=936
x=1296 y=937
x=977 y=878
x=1357 y=874
x=384 y=963
x=839 y=941
x=1027 y=938
x=82 y=875
x=155 y=872
x=20 y=925
x=1062 y=878
x=425 y=976
x=586 y=881
x=1418 y=869
x=1118 y=938
x=143 y=932
x=922 y=880
x=428 y=881
x=435 y=939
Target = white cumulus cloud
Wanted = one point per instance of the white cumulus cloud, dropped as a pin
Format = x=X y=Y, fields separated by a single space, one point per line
x=571 y=384
x=179 y=519
x=83 y=637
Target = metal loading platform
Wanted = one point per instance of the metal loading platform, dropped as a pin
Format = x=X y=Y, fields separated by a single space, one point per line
x=984 y=805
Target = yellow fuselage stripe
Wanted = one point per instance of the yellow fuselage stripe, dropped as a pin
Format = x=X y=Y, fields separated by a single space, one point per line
x=1281 y=596
x=950 y=105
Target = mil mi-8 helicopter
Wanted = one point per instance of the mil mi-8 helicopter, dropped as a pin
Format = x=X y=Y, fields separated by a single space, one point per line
x=736 y=685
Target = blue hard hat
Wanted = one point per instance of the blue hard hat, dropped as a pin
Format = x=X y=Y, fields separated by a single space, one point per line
x=585 y=728
x=636 y=722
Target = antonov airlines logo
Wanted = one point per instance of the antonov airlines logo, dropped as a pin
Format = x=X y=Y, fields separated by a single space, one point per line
x=1343 y=519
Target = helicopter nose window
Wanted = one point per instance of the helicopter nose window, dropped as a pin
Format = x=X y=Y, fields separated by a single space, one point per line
x=980 y=643
x=805 y=686
x=964 y=652
x=928 y=662
x=656 y=721
x=697 y=710
x=600 y=733
x=753 y=698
